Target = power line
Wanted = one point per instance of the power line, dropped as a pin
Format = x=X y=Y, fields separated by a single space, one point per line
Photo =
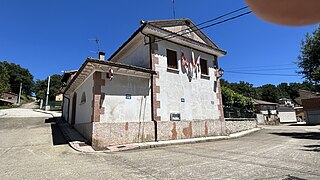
x=263 y=74
x=205 y=22
x=252 y=70
x=254 y=67
x=214 y=24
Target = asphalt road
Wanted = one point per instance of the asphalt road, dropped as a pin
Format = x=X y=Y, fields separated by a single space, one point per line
x=34 y=148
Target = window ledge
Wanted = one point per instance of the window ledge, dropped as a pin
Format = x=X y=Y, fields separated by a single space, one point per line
x=203 y=76
x=173 y=70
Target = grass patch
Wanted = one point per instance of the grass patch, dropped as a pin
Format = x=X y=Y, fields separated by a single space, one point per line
x=5 y=107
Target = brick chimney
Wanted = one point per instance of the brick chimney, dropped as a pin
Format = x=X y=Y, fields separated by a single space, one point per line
x=102 y=56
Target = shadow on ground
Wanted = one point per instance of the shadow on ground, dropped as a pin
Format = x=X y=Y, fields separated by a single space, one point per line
x=300 y=135
x=312 y=148
x=302 y=124
x=57 y=136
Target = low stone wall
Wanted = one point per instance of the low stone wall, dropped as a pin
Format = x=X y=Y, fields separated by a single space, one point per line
x=171 y=130
x=107 y=134
x=234 y=125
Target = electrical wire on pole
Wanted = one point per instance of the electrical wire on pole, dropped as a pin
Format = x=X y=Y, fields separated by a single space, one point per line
x=214 y=24
x=262 y=74
x=205 y=22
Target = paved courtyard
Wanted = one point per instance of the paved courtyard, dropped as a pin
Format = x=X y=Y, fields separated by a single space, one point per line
x=34 y=148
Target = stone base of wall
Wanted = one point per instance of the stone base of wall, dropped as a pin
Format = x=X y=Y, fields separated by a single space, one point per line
x=85 y=129
x=234 y=125
x=108 y=134
x=171 y=130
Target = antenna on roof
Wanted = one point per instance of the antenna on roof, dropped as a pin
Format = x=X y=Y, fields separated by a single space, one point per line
x=174 y=10
x=96 y=40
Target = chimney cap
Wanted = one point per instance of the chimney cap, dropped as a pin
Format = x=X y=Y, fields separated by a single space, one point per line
x=101 y=55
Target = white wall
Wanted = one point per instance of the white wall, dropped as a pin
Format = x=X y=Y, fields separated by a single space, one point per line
x=181 y=29
x=200 y=99
x=287 y=117
x=138 y=56
x=84 y=110
x=120 y=109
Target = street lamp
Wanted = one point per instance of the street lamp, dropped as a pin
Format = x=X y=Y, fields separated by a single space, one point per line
x=220 y=72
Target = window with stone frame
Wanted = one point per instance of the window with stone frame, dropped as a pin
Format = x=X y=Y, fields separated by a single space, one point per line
x=172 y=60
x=204 y=67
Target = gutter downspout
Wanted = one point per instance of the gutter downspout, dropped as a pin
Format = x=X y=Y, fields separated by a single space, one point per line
x=152 y=96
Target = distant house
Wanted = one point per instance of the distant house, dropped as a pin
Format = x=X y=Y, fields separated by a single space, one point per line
x=311 y=106
x=152 y=88
x=286 y=102
x=266 y=112
x=8 y=98
x=59 y=97
x=299 y=114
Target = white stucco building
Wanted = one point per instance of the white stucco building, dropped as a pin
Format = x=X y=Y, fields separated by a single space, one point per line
x=164 y=86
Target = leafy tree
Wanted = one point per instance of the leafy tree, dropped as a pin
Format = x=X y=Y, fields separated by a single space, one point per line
x=18 y=75
x=244 y=88
x=309 y=60
x=269 y=92
x=40 y=88
x=233 y=99
x=4 y=79
x=283 y=90
x=55 y=85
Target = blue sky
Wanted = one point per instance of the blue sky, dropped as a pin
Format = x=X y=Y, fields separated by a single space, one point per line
x=50 y=36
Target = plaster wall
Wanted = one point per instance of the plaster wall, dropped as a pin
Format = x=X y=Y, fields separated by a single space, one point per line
x=171 y=130
x=107 y=134
x=287 y=117
x=84 y=109
x=184 y=30
x=199 y=95
x=137 y=56
x=127 y=99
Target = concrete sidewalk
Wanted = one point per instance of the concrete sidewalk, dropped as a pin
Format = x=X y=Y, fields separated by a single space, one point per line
x=52 y=113
x=2 y=114
x=81 y=144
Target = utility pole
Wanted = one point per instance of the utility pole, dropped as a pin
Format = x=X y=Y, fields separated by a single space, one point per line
x=47 y=99
x=20 y=94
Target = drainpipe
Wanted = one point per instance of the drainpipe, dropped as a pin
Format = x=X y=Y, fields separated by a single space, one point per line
x=152 y=80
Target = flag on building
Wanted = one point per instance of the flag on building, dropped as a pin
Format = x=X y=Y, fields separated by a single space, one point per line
x=198 y=65
x=184 y=61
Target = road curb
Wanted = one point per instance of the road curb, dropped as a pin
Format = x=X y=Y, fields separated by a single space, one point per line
x=147 y=145
x=53 y=114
